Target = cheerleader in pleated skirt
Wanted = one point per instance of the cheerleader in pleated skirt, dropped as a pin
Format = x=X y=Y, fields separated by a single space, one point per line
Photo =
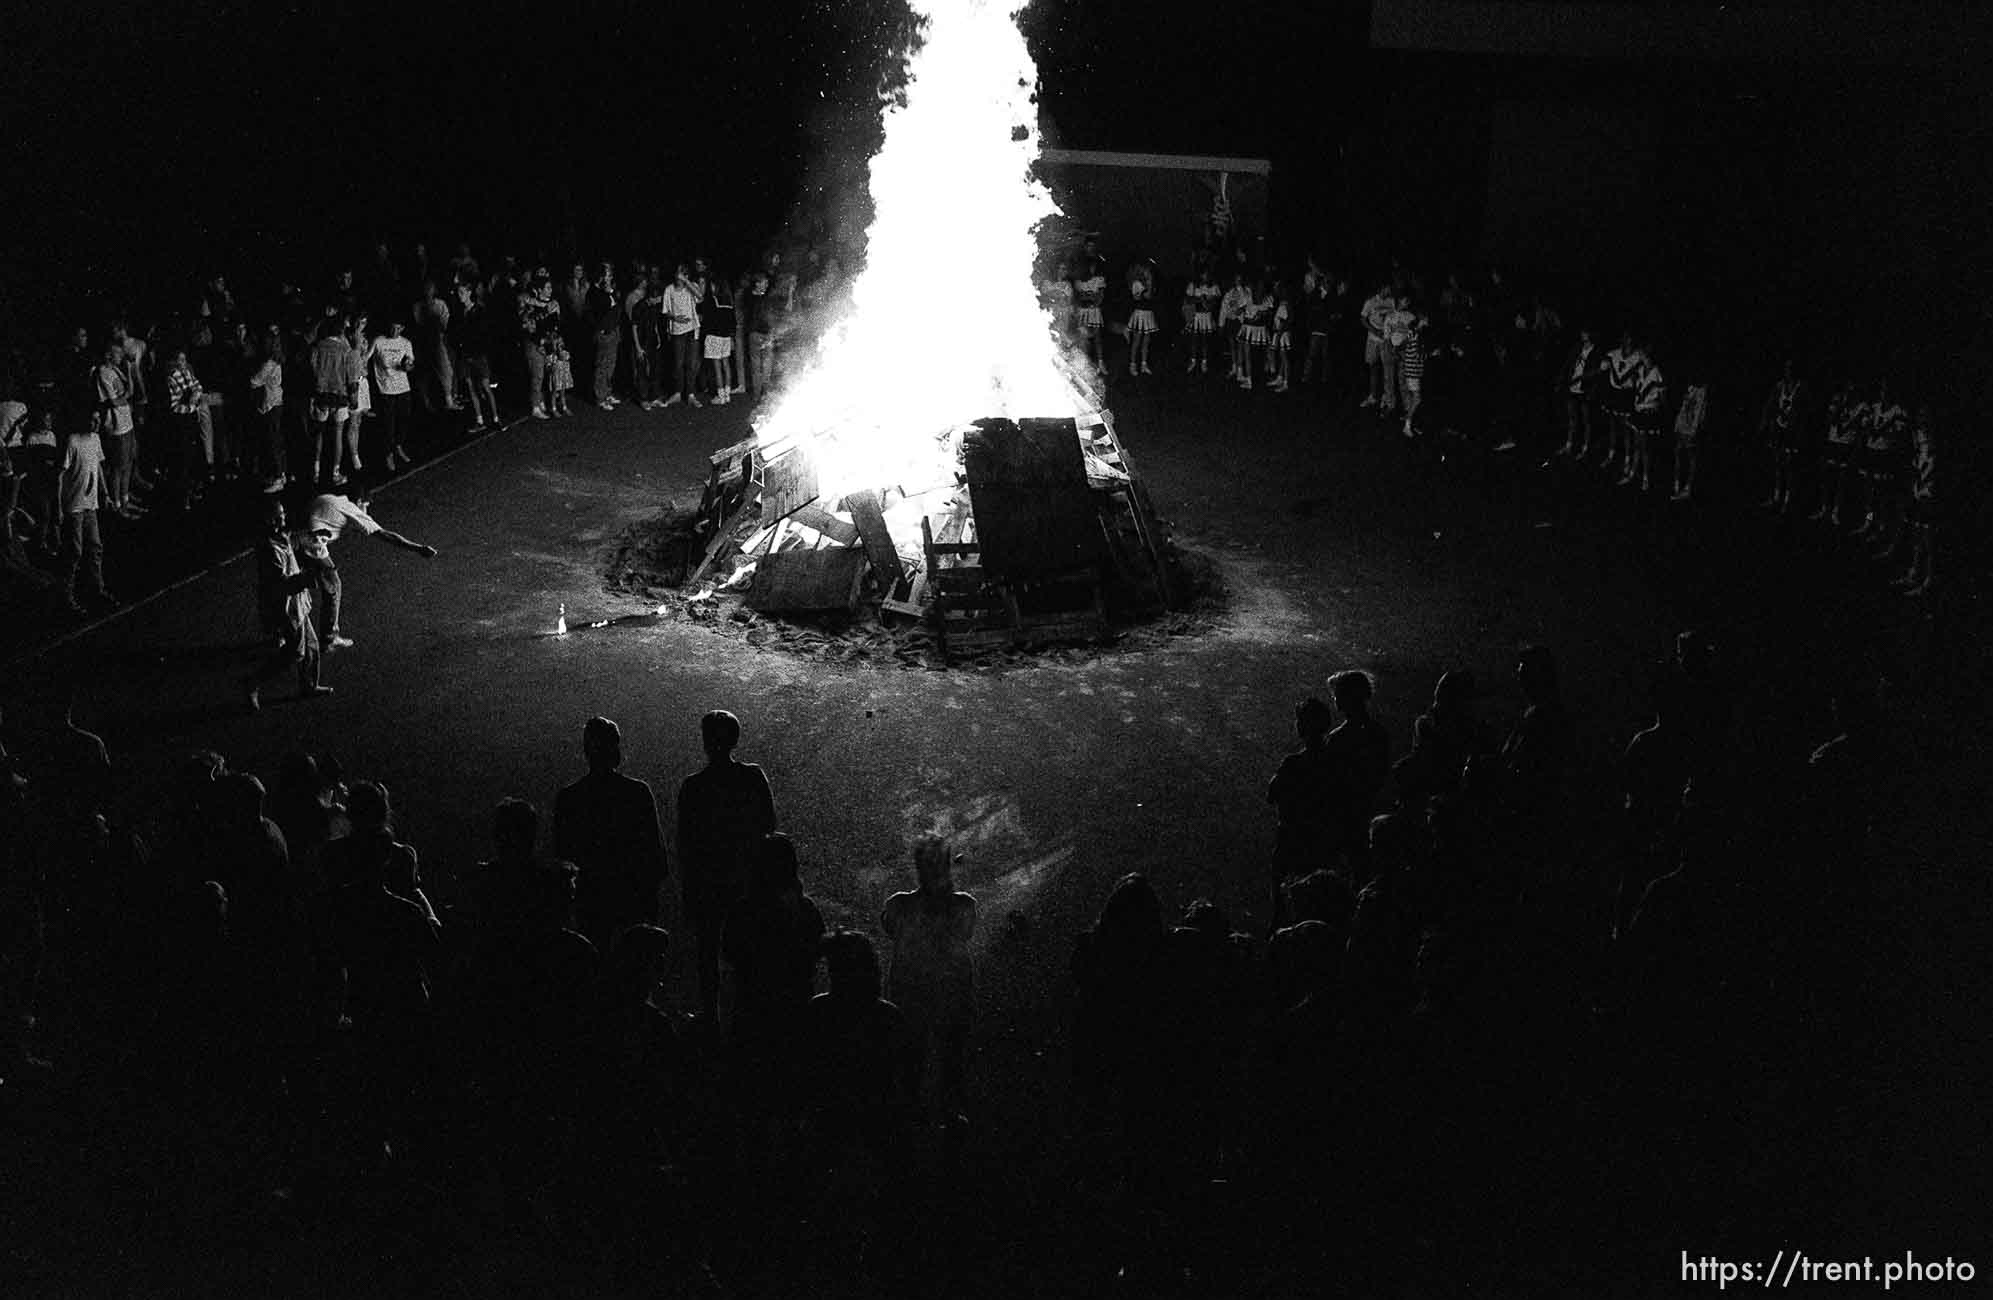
x=1141 y=317
x=1253 y=332
x=1280 y=341
x=1202 y=301
x=1089 y=292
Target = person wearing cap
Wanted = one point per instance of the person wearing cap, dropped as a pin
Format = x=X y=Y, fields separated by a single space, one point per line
x=606 y=824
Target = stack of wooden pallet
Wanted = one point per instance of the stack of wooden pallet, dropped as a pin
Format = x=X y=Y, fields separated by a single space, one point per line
x=1041 y=517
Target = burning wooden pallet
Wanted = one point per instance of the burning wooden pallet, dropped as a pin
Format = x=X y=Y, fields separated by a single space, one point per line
x=1041 y=518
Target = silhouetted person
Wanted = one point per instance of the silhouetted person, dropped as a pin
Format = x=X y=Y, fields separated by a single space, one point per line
x=933 y=980
x=634 y=1106
x=770 y=942
x=606 y=824
x=298 y=806
x=1456 y=735
x=1362 y=763
x=1303 y=795
x=1844 y=782
x=1424 y=774
x=383 y=949
x=371 y=854
x=723 y=811
x=501 y=891
x=1208 y=994
x=1539 y=749
x=1117 y=966
x=862 y=1061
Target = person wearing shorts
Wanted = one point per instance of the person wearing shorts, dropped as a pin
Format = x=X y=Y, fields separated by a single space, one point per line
x=1141 y=317
x=331 y=397
x=1089 y=293
x=717 y=320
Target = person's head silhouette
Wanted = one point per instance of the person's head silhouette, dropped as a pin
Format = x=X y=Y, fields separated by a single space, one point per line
x=602 y=745
x=719 y=732
x=852 y=964
x=1352 y=693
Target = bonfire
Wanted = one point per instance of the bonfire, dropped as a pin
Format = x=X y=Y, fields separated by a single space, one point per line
x=967 y=472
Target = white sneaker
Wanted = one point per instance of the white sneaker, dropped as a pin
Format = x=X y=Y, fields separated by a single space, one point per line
x=740 y=388
x=673 y=400
x=1146 y=370
x=694 y=400
x=1366 y=404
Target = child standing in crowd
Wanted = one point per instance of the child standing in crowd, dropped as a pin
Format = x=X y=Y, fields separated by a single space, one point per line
x=1202 y=299
x=83 y=492
x=1280 y=340
x=1089 y=293
x=560 y=373
x=1690 y=417
x=1779 y=425
x=1141 y=317
x=1405 y=333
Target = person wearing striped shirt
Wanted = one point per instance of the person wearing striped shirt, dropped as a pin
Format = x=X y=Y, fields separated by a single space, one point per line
x=1405 y=332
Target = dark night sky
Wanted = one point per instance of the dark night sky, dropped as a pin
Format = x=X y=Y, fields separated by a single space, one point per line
x=155 y=140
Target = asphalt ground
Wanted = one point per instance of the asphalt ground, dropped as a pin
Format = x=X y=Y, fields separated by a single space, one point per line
x=1340 y=546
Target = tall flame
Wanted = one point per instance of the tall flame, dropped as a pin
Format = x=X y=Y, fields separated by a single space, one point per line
x=945 y=325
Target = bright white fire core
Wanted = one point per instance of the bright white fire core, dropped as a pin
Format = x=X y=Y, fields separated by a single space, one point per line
x=944 y=325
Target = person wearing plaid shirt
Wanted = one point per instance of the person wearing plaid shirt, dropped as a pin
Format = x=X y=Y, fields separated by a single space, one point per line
x=184 y=396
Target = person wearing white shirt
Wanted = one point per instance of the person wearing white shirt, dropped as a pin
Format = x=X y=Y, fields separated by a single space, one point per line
x=1379 y=357
x=332 y=517
x=681 y=326
x=393 y=359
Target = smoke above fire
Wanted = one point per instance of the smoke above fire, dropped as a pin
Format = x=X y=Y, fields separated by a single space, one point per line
x=943 y=324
